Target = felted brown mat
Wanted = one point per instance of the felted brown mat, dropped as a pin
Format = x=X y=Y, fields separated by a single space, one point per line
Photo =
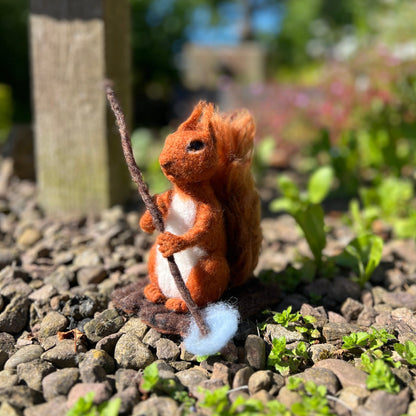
x=250 y=298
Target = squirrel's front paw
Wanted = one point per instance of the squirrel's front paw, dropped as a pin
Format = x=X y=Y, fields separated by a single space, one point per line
x=146 y=223
x=169 y=243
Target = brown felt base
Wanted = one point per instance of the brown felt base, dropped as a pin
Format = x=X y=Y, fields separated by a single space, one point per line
x=250 y=298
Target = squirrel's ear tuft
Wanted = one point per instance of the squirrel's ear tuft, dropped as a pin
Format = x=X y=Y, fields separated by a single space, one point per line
x=192 y=122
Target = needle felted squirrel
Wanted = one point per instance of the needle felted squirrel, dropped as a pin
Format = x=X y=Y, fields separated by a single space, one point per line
x=212 y=214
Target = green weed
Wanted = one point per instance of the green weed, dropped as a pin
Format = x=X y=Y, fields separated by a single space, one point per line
x=85 y=407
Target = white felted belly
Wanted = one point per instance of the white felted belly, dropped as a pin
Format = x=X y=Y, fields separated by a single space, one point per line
x=180 y=219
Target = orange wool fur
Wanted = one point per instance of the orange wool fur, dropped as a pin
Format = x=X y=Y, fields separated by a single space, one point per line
x=212 y=214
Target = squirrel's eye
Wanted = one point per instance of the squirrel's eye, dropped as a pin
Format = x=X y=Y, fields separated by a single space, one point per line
x=195 y=145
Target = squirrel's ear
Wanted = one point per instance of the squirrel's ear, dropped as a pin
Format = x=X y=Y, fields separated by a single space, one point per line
x=193 y=120
x=206 y=121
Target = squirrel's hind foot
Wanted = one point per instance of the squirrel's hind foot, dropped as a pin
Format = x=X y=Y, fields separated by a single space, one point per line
x=153 y=293
x=177 y=305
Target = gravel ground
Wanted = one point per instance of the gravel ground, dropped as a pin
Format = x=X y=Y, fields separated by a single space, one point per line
x=60 y=337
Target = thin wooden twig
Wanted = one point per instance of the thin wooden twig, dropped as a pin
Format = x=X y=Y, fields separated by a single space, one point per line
x=137 y=177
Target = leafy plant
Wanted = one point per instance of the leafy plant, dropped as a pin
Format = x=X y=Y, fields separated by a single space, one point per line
x=314 y=401
x=363 y=255
x=85 y=407
x=375 y=339
x=285 y=360
x=379 y=375
x=305 y=208
x=407 y=351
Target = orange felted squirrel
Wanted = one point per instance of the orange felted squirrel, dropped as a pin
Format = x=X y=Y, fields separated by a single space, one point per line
x=212 y=214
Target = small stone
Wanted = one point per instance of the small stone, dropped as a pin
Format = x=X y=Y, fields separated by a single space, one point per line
x=320 y=352
x=8 y=378
x=108 y=343
x=160 y=406
x=20 y=396
x=167 y=350
x=43 y=294
x=80 y=307
x=60 y=279
x=335 y=331
x=352 y=396
x=88 y=257
x=180 y=365
x=263 y=396
x=135 y=326
x=221 y=372
x=102 y=392
x=107 y=323
x=57 y=407
x=7 y=410
x=255 y=350
x=260 y=380
x=277 y=331
x=14 y=317
x=386 y=404
x=319 y=313
x=367 y=316
x=129 y=397
x=95 y=366
x=347 y=374
x=336 y=317
x=52 y=323
x=33 y=372
x=411 y=410
x=351 y=308
x=151 y=337
x=59 y=382
x=7 y=347
x=288 y=397
x=321 y=376
x=8 y=256
x=24 y=355
x=126 y=378
x=400 y=299
x=342 y=287
x=277 y=383
x=64 y=354
x=130 y=352
x=91 y=275
x=28 y=237
x=193 y=377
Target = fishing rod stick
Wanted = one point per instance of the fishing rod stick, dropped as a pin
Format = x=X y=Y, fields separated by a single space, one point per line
x=137 y=177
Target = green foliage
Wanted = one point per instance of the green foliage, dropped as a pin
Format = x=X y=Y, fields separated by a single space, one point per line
x=85 y=407
x=362 y=255
x=314 y=401
x=407 y=351
x=284 y=360
x=150 y=377
x=375 y=339
x=379 y=376
x=6 y=111
x=305 y=208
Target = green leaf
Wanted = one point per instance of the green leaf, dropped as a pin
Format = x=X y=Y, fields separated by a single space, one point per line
x=320 y=184
x=284 y=204
x=288 y=188
x=311 y=220
x=150 y=377
x=110 y=408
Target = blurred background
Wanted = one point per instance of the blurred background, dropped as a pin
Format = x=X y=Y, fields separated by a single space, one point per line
x=329 y=83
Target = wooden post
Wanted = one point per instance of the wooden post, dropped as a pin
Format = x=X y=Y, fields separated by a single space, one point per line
x=75 y=46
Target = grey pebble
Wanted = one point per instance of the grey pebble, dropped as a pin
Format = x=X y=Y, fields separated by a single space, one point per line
x=64 y=354
x=56 y=407
x=333 y=331
x=130 y=352
x=136 y=327
x=14 y=317
x=23 y=355
x=255 y=351
x=91 y=275
x=351 y=308
x=102 y=392
x=260 y=380
x=125 y=378
x=95 y=365
x=320 y=352
x=59 y=382
x=167 y=350
x=193 y=377
x=347 y=374
x=221 y=372
x=108 y=343
x=151 y=337
x=107 y=323
x=8 y=378
x=277 y=331
x=321 y=376
x=160 y=406
x=7 y=347
x=52 y=323
x=129 y=398
x=33 y=372
x=20 y=396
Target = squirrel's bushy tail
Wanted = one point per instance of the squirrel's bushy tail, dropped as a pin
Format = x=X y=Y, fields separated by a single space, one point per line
x=234 y=186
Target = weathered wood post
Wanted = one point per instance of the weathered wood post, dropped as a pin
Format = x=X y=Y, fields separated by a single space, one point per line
x=75 y=46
